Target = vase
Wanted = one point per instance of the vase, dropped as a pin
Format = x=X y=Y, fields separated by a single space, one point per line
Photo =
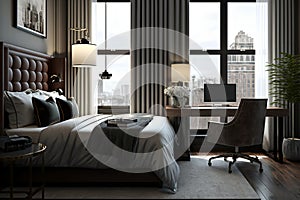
x=291 y=149
x=178 y=102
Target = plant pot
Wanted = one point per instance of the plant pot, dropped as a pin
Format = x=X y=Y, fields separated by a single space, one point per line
x=291 y=149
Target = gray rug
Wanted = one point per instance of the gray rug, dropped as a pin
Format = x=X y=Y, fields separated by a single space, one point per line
x=197 y=181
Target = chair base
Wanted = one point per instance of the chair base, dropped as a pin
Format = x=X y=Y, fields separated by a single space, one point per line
x=234 y=158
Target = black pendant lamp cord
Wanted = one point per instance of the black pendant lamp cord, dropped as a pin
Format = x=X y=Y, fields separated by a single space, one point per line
x=105 y=36
x=105 y=74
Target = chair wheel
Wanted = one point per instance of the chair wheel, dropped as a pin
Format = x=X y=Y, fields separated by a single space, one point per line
x=209 y=164
x=261 y=170
x=229 y=171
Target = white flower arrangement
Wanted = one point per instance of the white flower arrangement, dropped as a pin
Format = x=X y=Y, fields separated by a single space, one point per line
x=179 y=95
x=177 y=91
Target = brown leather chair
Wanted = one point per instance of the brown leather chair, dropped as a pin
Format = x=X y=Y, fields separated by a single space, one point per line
x=245 y=129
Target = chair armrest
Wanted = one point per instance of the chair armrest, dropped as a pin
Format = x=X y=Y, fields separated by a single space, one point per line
x=214 y=131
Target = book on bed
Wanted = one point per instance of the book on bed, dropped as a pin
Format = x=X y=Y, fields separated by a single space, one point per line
x=122 y=122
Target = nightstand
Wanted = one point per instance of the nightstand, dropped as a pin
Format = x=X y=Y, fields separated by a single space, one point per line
x=28 y=153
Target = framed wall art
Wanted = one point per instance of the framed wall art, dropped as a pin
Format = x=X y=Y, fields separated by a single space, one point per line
x=32 y=16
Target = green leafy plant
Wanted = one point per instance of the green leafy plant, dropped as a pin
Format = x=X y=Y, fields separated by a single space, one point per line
x=284 y=79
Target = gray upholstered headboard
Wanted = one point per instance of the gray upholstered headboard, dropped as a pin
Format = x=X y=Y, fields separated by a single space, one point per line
x=21 y=69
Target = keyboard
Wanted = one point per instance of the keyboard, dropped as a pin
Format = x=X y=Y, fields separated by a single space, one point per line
x=218 y=105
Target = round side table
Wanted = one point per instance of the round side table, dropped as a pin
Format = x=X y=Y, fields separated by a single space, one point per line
x=28 y=153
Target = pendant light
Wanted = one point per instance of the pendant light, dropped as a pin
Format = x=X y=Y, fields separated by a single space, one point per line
x=105 y=74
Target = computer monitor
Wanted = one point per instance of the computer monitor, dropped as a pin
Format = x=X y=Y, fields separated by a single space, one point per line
x=219 y=93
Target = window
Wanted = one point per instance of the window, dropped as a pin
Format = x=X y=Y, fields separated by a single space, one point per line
x=204 y=36
x=116 y=90
x=226 y=30
x=205 y=25
x=241 y=25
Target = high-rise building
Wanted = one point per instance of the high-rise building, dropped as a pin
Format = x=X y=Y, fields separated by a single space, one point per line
x=241 y=68
x=242 y=41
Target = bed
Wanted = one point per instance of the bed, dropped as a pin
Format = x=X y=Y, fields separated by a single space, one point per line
x=79 y=148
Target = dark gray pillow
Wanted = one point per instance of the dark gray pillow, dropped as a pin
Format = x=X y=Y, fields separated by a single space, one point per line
x=68 y=109
x=46 y=111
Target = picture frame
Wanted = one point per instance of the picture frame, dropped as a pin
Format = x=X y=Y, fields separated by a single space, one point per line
x=31 y=16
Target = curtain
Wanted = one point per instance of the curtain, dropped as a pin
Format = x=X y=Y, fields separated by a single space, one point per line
x=261 y=60
x=282 y=35
x=159 y=37
x=79 y=81
x=281 y=38
x=297 y=35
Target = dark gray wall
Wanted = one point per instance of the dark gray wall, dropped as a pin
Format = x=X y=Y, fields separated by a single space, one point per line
x=10 y=34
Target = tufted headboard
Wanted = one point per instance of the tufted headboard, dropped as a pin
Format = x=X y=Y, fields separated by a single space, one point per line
x=21 y=69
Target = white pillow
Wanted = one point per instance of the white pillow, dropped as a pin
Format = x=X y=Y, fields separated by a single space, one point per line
x=19 y=108
x=53 y=94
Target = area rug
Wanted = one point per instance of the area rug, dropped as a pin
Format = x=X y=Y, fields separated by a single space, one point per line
x=197 y=181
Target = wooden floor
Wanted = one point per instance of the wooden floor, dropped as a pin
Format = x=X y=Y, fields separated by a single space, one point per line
x=280 y=181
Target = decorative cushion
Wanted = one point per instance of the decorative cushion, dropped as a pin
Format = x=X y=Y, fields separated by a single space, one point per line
x=18 y=106
x=67 y=108
x=46 y=111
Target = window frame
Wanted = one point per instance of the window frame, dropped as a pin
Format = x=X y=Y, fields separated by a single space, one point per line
x=223 y=52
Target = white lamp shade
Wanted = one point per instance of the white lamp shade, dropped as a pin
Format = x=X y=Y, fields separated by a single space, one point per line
x=180 y=72
x=84 y=55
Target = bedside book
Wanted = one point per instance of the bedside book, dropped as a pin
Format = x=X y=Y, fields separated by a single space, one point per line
x=14 y=143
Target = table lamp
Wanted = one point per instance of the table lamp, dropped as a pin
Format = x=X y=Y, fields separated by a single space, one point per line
x=180 y=74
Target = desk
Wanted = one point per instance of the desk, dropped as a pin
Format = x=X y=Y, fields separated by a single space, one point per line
x=277 y=113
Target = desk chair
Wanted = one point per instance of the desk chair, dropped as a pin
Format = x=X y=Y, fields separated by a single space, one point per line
x=245 y=129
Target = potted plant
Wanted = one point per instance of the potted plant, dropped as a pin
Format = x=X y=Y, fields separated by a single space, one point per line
x=284 y=79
